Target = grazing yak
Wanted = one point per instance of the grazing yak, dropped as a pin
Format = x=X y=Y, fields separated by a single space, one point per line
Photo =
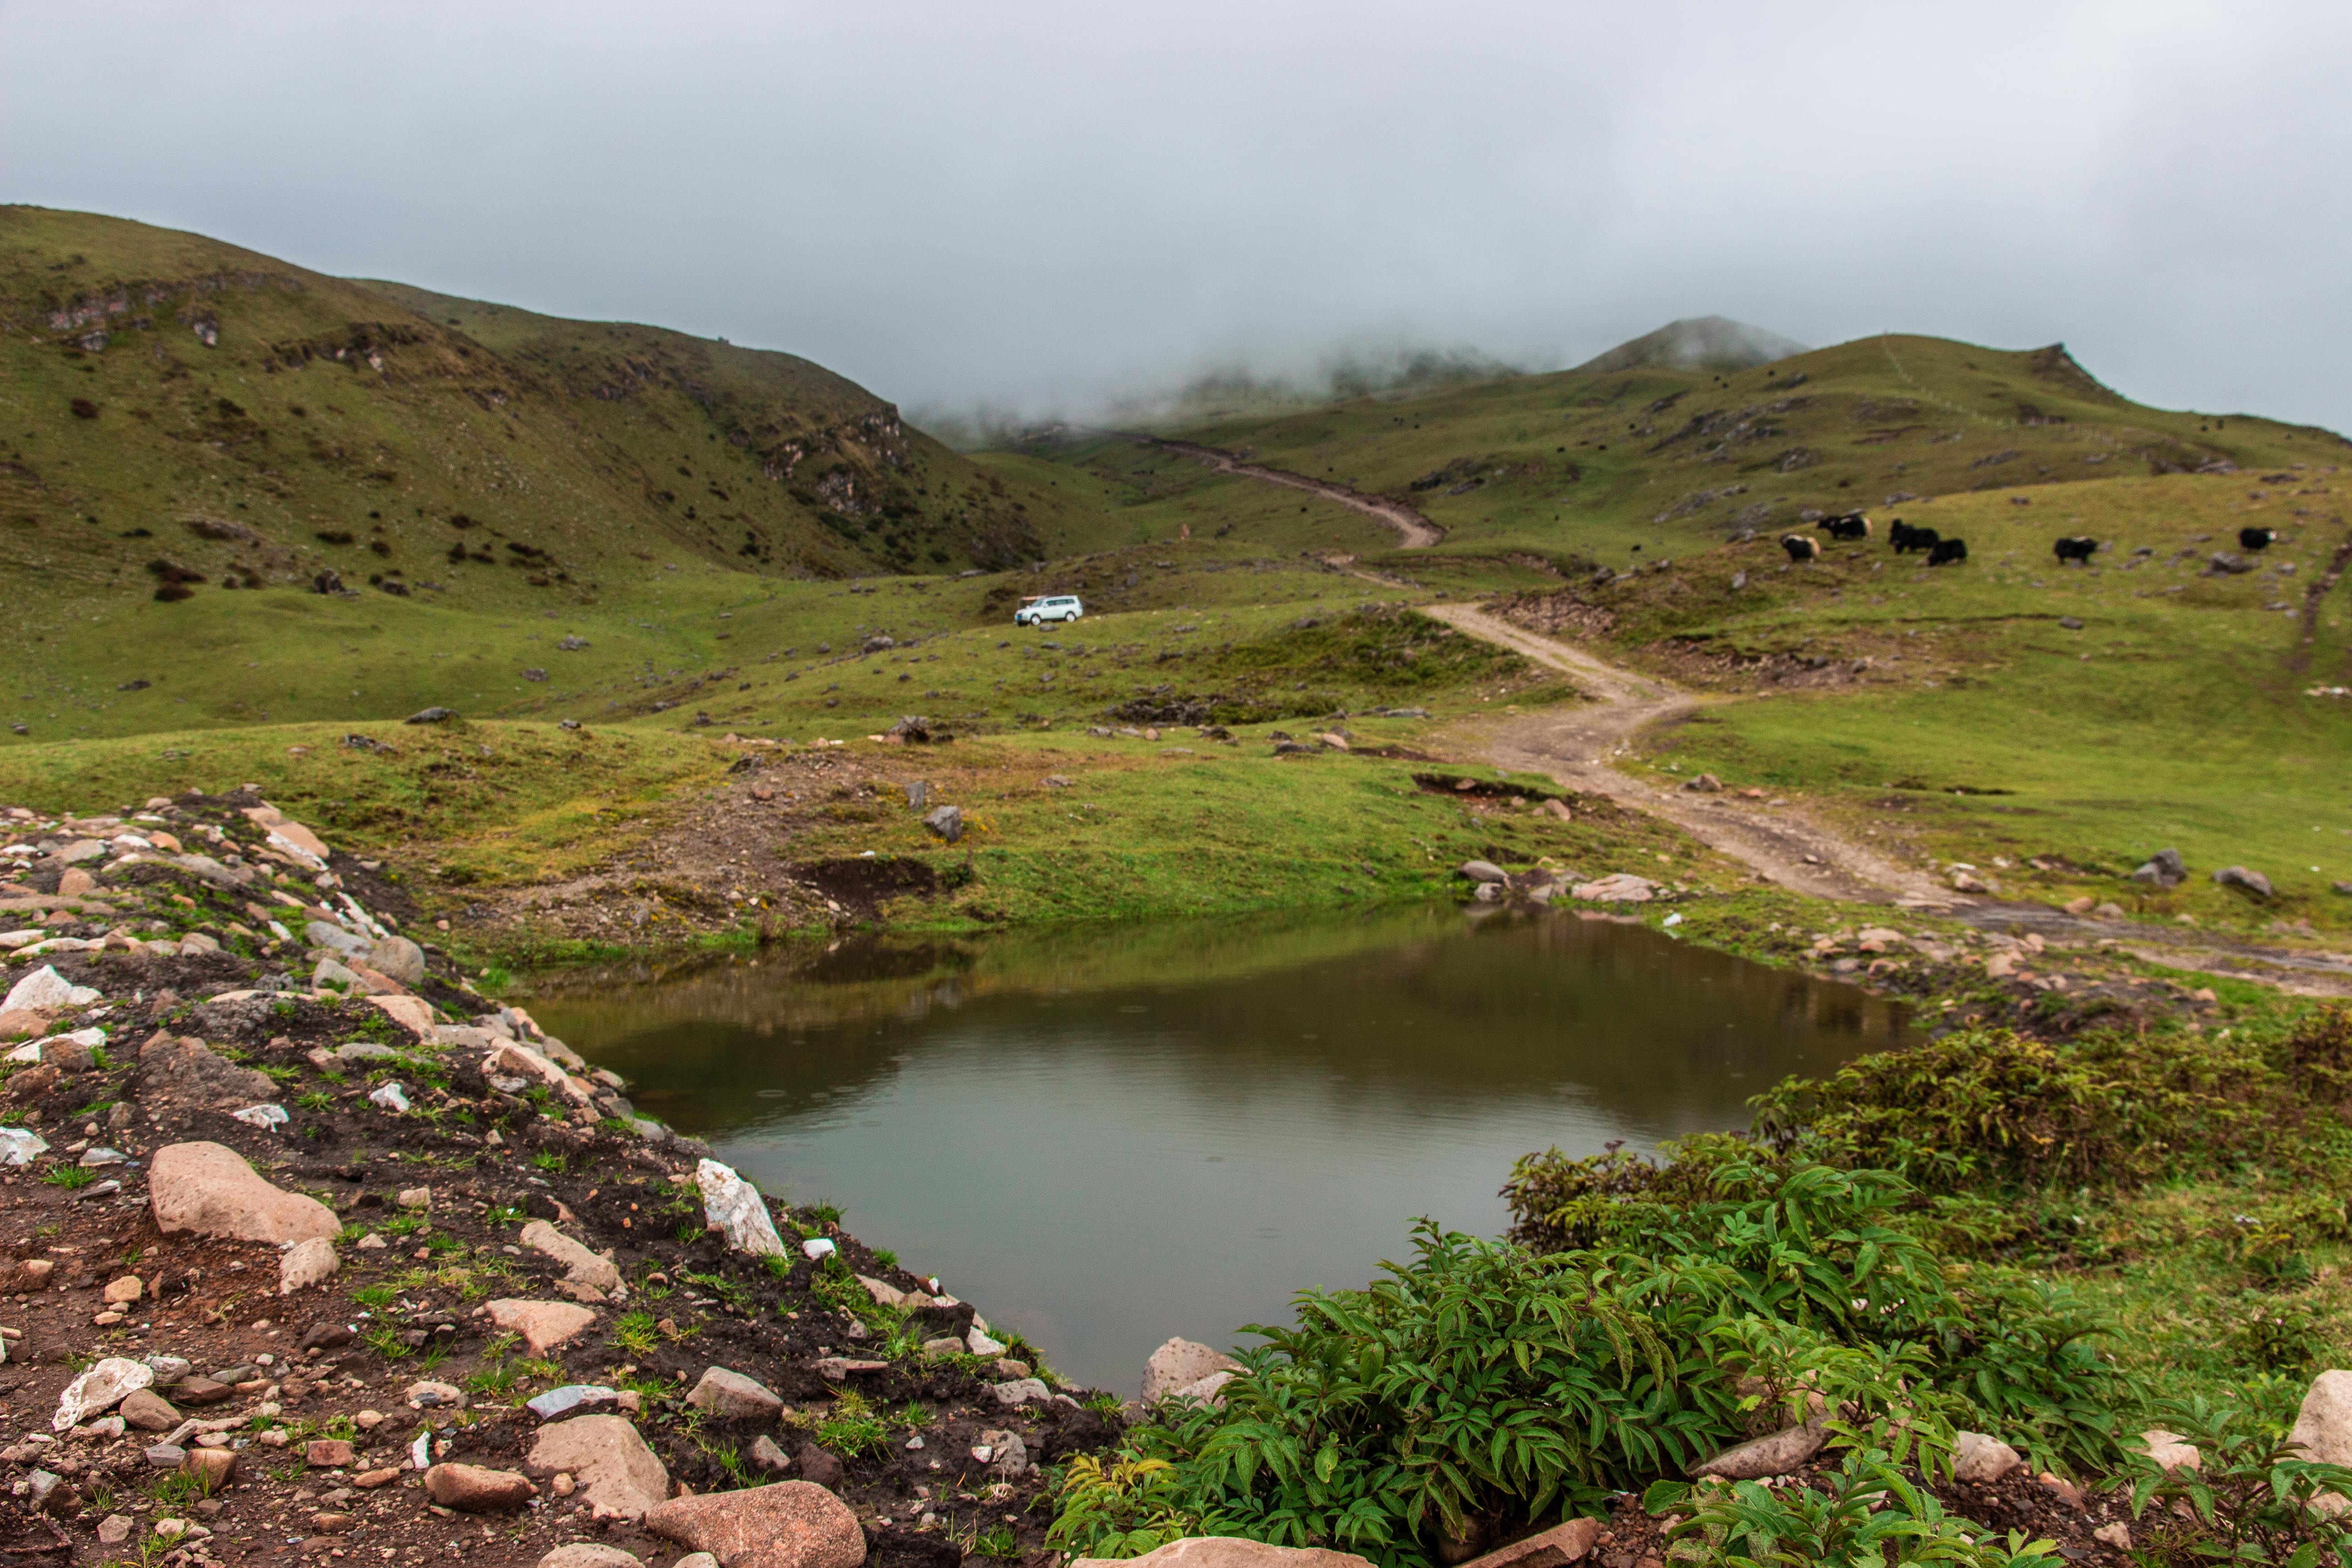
x=2076 y=547
x=1800 y=548
x=1906 y=538
x=1853 y=525
x=1947 y=551
x=2257 y=538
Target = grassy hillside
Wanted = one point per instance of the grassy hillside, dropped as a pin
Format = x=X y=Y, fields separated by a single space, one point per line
x=172 y=398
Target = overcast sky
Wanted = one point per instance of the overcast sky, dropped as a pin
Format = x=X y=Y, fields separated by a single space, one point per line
x=1043 y=206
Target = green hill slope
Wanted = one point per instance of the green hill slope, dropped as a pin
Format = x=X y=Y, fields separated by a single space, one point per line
x=186 y=411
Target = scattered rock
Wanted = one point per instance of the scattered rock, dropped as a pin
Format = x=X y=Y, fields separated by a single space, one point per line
x=735 y=1206
x=397 y=957
x=1231 y=1551
x=588 y=1555
x=114 y=1530
x=733 y=1395
x=209 y=1189
x=2165 y=868
x=1774 y=1454
x=1705 y=783
x=202 y=1391
x=306 y=1263
x=327 y=1453
x=609 y=1461
x=474 y=1488
x=1177 y=1364
x=167 y=1456
x=946 y=822
x=571 y=1397
x=820 y=1466
x=1008 y=1455
x=431 y=716
x=2170 y=1450
x=2253 y=882
x=1983 y=1460
x=584 y=1270
x=786 y=1525
x=426 y=1394
x=542 y=1324
x=2117 y=1535
x=119 y=1292
x=46 y=991
x=102 y=1387
x=1620 y=887
x=769 y=1456
x=187 y=1070
x=2322 y=1428
x=1563 y=1543
x=148 y=1411
x=1477 y=871
x=213 y=1467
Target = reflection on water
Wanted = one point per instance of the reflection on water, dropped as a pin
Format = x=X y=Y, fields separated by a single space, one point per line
x=1105 y=1138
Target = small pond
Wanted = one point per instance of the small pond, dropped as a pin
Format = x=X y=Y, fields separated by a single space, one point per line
x=1108 y=1136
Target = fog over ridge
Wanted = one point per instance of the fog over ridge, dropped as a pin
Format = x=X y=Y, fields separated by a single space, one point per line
x=1053 y=209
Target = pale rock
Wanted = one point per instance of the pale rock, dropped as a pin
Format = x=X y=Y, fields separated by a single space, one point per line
x=1020 y=1391
x=427 y=1394
x=1009 y=1455
x=46 y=991
x=731 y=1395
x=583 y=1269
x=119 y=1292
x=306 y=1263
x=1620 y=887
x=2322 y=1428
x=392 y=1097
x=786 y=1525
x=1209 y=1390
x=1178 y=1363
x=1233 y=1551
x=266 y=1117
x=607 y=1459
x=769 y=1456
x=570 y=1398
x=416 y=1198
x=734 y=1206
x=1983 y=1460
x=2170 y=1451
x=543 y=1325
x=209 y=1189
x=114 y=1530
x=21 y=1146
x=1774 y=1454
x=411 y=1013
x=885 y=1295
x=979 y=1344
x=2117 y=1535
x=1482 y=871
x=588 y=1555
x=397 y=957
x=102 y=1387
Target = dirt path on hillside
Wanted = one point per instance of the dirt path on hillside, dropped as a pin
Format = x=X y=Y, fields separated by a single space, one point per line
x=1414 y=531
x=1576 y=744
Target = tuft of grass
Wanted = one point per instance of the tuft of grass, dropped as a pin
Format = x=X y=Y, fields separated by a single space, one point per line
x=70 y=1177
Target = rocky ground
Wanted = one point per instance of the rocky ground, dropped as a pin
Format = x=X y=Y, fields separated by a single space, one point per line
x=344 y=1259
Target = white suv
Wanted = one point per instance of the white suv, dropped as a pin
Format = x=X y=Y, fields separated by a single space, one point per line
x=1037 y=612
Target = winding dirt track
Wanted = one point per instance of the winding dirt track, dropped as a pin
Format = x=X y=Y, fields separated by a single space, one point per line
x=1575 y=744
x=1414 y=531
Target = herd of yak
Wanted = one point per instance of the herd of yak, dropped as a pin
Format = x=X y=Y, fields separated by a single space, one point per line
x=1942 y=551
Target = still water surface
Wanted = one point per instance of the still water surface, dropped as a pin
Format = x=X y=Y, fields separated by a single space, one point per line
x=1105 y=1138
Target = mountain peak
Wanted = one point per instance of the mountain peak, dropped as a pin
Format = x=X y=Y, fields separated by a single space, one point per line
x=1696 y=342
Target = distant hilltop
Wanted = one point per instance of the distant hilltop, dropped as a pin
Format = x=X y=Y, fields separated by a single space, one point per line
x=1698 y=343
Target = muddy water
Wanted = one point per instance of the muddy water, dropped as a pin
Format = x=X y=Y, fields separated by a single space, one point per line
x=1109 y=1137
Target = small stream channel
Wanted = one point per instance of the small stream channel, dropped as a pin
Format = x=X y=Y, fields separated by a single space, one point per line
x=1104 y=1136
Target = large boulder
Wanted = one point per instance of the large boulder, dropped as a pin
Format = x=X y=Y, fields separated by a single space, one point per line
x=2322 y=1428
x=46 y=991
x=189 y=1071
x=787 y=1525
x=735 y=1206
x=1231 y=1551
x=2165 y=868
x=1179 y=1364
x=1774 y=1454
x=2253 y=882
x=208 y=1189
x=619 y=1476
x=101 y=1388
x=1619 y=888
x=589 y=1554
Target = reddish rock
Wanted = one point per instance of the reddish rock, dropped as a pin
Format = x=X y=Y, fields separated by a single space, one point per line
x=209 y=1189
x=609 y=1462
x=790 y=1525
x=1231 y=1551
x=473 y=1489
x=327 y=1453
x=1563 y=1543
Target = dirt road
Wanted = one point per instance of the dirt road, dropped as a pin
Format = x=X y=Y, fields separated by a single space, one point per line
x=1577 y=746
x=1414 y=531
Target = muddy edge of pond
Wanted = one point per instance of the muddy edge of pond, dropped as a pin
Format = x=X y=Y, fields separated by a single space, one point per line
x=488 y=1224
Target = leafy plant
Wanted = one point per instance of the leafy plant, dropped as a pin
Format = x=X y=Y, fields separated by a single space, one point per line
x=71 y=1177
x=1868 y=1512
x=999 y=1544
x=548 y=1160
x=2251 y=1499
